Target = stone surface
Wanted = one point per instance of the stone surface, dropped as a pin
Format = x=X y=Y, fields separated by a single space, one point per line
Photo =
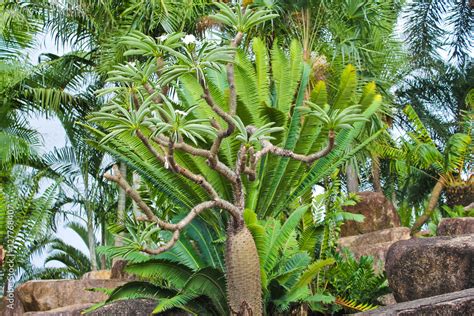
x=452 y=304
x=97 y=275
x=44 y=295
x=71 y=310
x=374 y=244
x=424 y=267
x=136 y=307
x=456 y=226
x=379 y=214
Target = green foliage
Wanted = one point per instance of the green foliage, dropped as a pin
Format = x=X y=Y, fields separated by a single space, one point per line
x=26 y=219
x=355 y=279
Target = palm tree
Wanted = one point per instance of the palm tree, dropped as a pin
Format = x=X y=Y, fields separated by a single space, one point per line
x=448 y=163
x=75 y=262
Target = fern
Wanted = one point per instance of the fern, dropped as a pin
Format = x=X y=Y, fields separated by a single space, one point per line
x=353 y=305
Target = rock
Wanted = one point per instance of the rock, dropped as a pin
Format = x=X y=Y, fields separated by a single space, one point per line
x=44 y=295
x=374 y=244
x=118 y=271
x=456 y=226
x=97 y=275
x=386 y=300
x=379 y=214
x=424 y=267
x=135 y=307
x=452 y=304
x=71 y=310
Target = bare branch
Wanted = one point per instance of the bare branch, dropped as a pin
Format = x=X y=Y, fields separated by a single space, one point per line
x=309 y=159
x=122 y=182
x=198 y=179
x=150 y=147
x=217 y=165
x=166 y=246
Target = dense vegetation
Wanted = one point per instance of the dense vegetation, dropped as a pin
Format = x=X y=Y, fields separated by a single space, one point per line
x=197 y=132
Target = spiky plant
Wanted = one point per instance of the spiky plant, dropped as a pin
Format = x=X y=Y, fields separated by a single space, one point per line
x=151 y=124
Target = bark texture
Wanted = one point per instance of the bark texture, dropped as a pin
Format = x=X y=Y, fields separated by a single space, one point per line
x=243 y=274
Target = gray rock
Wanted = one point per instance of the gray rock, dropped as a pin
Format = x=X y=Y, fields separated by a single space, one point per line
x=379 y=214
x=424 y=267
x=456 y=226
x=452 y=304
x=135 y=307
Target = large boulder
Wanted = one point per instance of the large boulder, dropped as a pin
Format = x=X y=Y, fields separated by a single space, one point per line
x=44 y=295
x=71 y=310
x=97 y=275
x=456 y=226
x=374 y=244
x=135 y=307
x=452 y=304
x=379 y=214
x=424 y=267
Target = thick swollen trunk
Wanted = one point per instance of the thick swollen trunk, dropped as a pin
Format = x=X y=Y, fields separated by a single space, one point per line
x=352 y=179
x=435 y=193
x=244 y=289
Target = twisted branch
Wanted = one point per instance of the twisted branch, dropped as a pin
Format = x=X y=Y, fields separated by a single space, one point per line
x=309 y=159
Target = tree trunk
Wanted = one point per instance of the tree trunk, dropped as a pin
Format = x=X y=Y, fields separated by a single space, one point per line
x=376 y=174
x=435 y=193
x=121 y=205
x=243 y=273
x=103 y=261
x=90 y=224
x=352 y=179
x=91 y=239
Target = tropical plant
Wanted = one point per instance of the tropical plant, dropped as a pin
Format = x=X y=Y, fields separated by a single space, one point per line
x=421 y=152
x=75 y=262
x=134 y=113
x=355 y=279
x=25 y=224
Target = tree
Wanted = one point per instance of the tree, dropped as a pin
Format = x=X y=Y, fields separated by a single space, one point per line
x=213 y=101
x=447 y=164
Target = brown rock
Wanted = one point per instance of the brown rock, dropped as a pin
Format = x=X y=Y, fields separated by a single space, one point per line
x=71 y=310
x=379 y=214
x=424 y=267
x=97 y=275
x=456 y=226
x=374 y=244
x=44 y=295
x=452 y=304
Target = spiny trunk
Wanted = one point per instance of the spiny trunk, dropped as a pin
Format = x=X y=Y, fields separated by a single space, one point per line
x=243 y=273
x=352 y=179
x=435 y=193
